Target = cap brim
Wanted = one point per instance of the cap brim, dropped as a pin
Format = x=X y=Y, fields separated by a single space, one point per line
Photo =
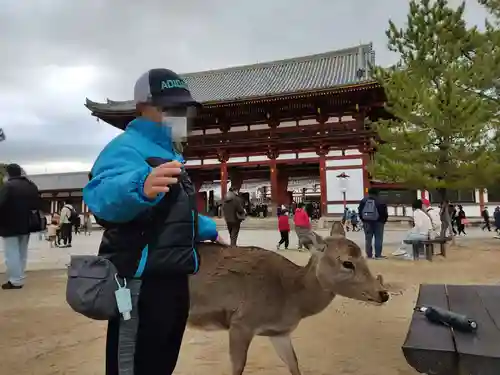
x=169 y=101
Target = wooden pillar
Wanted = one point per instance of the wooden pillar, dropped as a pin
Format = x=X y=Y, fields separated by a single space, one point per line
x=223 y=158
x=200 y=196
x=283 y=196
x=272 y=154
x=322 y=152
x=274 y=185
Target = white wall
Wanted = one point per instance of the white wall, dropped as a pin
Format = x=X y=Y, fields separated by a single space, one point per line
x=354 y=185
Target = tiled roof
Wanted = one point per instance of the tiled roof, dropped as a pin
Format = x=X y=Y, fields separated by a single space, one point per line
x=60 y=181
x=309 y=73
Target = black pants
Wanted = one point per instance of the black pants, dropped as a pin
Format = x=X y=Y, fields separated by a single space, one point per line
x=486 y=225
x=67 y=233
x=163 y=309
x=460 y=227
x=234 y=230
x=285 y=238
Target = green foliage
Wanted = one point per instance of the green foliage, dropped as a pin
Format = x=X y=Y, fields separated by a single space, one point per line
x=441 y=133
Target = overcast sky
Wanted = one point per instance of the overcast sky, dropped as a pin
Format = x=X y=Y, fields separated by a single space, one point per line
x=55 y=53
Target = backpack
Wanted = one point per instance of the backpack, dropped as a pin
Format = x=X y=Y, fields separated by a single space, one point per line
x=370 y=211
x=73 y=216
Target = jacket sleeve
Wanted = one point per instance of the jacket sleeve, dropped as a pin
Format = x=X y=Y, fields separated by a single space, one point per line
x=207 y=230
x=116 y=191
x=384 y=212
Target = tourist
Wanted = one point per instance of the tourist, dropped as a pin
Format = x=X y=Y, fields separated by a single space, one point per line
x=141 y=194
x=496 y=218
x=434 y=215
x=453 y=217
x=66 y=224
x=445 y=215
x=422 y=230
x=303 y=227
x=234 y=214
x=284 y=229
x=52 y=229
x=461 y=220
x=77 y=223
x=87 y=224
x=354 y=221
x=19 y=216
x=486 y=219
x=373 y=214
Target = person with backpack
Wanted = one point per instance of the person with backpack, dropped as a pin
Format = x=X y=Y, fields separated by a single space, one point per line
x=20 y=215
x=373 y=214
x=67 y=218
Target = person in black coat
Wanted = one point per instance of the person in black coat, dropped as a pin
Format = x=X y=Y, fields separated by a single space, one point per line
x=19 y=216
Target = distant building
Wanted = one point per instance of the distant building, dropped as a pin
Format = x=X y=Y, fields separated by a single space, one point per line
x=58 y=188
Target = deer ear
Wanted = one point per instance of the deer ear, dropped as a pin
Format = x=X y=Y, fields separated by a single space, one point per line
x=337 y=229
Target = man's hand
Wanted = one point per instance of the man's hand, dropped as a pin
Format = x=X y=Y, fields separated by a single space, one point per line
x=160 y=178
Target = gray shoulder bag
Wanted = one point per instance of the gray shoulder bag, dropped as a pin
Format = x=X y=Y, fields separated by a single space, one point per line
x=91 y=286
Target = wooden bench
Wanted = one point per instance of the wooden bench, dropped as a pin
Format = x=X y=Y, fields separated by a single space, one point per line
x=428 y=247
x=439 y=350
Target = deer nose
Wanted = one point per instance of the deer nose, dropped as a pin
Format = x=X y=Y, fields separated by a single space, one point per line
x=384 y=296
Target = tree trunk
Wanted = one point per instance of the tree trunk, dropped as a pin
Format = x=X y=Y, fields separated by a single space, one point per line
x=444 y=212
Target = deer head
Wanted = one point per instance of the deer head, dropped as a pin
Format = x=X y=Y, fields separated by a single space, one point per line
x=342 y=269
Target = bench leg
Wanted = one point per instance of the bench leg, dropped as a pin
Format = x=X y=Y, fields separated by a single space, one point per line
x=429 y=251
x=416 y=250
x=442 y=248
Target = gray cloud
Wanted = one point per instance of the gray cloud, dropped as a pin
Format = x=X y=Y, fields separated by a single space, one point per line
x=57 y=52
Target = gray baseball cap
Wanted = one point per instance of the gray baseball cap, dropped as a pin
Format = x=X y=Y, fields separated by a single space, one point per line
x=163 y=88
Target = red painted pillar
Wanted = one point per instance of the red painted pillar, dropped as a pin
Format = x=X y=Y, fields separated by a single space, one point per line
x=282 y=187
x=223 y=179
x=322 y=152
x=223 y=158
x=366 y=163
x=200 y=201
x=272 y=154
x=274 y=184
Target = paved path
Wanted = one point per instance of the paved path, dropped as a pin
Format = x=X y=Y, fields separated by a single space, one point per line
x=43 y=257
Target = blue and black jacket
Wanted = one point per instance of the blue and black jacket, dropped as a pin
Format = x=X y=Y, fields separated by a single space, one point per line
x=143 y=237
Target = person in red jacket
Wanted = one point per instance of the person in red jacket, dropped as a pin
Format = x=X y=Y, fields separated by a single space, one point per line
x=303 y=226
x=284 y=228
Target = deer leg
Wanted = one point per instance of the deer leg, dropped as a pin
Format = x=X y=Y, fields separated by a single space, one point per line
x=284 y=348
x=239 y=342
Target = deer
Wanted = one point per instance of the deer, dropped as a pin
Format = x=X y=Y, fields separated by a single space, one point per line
x=250 y=291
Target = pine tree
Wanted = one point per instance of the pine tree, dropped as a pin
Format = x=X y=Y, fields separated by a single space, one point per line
x=440 y=137
x=484 y=60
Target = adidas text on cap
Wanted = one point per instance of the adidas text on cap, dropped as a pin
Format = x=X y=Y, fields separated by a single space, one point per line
x=163 y=88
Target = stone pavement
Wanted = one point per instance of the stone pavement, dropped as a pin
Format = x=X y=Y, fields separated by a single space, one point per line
x=42 y=257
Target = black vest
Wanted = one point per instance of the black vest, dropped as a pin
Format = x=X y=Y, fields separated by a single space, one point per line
x=169 y=230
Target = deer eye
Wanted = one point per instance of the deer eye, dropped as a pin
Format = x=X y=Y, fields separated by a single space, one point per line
x=348 y=265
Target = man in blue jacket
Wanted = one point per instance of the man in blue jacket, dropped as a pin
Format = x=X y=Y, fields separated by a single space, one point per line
x=141 y=194
x=373 y=213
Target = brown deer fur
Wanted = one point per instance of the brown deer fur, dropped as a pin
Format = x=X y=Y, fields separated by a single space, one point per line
x=252 y=291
